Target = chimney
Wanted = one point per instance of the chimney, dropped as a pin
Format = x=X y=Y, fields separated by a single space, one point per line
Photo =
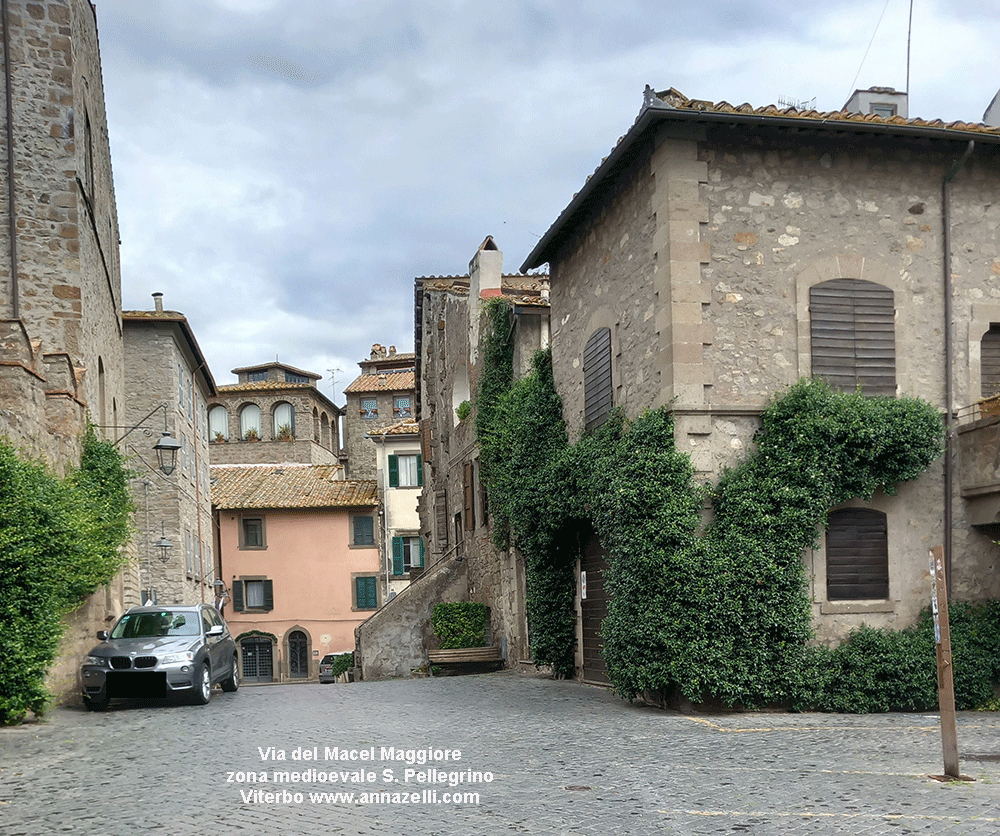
x=392 y=351
x=158 y=302
x=485 y=270
x=878 y=101
x=485 y=278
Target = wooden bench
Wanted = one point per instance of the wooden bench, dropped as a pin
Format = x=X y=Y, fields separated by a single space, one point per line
x=465 y=656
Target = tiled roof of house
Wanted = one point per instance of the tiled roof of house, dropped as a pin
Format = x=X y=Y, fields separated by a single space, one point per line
x=672 y=105
x=524 y=289
x=288 y=486
x=263 y=385
x=391 y=381
x=678 y=101
x=407 y=427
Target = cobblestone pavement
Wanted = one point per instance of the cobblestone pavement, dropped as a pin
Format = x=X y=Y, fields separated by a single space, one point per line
x=564 y=758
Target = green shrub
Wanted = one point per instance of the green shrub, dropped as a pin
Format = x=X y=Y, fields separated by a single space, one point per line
x=460 y=624
x=463 y=410
x=342 y=663
x=60 y=539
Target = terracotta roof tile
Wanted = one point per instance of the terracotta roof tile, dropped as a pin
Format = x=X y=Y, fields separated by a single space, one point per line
x=391 y=381
x=288 y=486
x=678 y=101
x=259 y=385
x=407 y=427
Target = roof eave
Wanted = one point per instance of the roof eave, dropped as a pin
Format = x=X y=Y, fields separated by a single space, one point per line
x=659 y=111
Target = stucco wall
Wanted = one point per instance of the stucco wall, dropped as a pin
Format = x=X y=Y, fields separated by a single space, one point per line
x=311 y=562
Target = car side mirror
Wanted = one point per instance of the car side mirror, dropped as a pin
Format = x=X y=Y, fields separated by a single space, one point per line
x=102 y=635
x=214 y=630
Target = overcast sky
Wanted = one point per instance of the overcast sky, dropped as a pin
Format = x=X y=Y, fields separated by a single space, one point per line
x=284 y=169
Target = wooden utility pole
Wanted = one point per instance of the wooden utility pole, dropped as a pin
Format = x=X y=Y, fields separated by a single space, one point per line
x=946 y=682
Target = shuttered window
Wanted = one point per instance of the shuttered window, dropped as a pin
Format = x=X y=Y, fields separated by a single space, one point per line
x=852 y=326
x=441 y=519
x=857 y=555
x=597 y=391
x=989 y=356
x=407 y=553
x=469 y=496
x=364 y=531
x=365 y=593
x=253 y=595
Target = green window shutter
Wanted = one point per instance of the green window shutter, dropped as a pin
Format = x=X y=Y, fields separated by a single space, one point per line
x=393 y=471
x=238 y=596
x=421 y=551
x=397 y=555
x=268 y=595
x=420 y=470
x=366 y=593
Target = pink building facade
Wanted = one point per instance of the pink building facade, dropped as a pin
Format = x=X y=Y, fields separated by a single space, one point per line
x=299 y=555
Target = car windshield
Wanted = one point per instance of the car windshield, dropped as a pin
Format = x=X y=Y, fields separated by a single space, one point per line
x=327 y=660
x=143 y=625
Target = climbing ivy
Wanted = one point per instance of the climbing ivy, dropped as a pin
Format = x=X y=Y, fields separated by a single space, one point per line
x=523 y=449
x=60 y=539
x=717 y=611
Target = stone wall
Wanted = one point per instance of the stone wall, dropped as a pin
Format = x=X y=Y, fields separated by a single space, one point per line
x=178 y=506
x=62 y=318
x=394 y=641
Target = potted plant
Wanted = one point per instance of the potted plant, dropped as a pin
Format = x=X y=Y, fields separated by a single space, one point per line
x=219 y=437
x=251 y=434
x=285 y=433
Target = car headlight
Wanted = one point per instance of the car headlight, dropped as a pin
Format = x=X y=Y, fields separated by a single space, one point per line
x=96 y=661
x=172 y=658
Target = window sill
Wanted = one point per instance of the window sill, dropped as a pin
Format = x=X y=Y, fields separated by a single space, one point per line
x=847 y=607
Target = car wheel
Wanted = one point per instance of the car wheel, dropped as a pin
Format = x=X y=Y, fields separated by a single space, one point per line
x=96 y=705
x=203 y=687
x=232 y=682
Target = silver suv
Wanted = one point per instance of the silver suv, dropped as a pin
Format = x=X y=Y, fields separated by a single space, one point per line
x=161 y=652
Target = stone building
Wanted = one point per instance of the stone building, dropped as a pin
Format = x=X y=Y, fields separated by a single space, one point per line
x=461 y=562
x=60 y=285
x=721 y=253
x=380 y=396
x=274 y=413
x=168 y=386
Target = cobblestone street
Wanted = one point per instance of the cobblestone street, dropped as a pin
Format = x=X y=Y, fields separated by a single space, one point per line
x=564 y=758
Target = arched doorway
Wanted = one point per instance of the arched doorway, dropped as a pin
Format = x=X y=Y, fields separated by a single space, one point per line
x=298 y=655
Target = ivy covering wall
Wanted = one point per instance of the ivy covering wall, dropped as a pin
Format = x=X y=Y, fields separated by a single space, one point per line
x=718 y=611
x=60 y=539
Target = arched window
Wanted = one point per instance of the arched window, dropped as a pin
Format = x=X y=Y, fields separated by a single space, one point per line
x=598 y=393
x=218 y=423
x=857 y=555
x=250 y=421
x=284 y=421
x=853 y=334
x=989 y=357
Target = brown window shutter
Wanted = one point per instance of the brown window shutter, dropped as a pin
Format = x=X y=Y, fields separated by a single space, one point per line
x=857 y=555
x=441 y=518
x=853 y=335
x=469 y=498
x=426 y=437
x=597 y=387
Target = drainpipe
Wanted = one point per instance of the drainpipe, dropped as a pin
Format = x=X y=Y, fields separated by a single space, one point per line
x=948 y=372
x=15 y=308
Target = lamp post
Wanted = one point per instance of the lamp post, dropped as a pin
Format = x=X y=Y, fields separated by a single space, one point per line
x=166 y=446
